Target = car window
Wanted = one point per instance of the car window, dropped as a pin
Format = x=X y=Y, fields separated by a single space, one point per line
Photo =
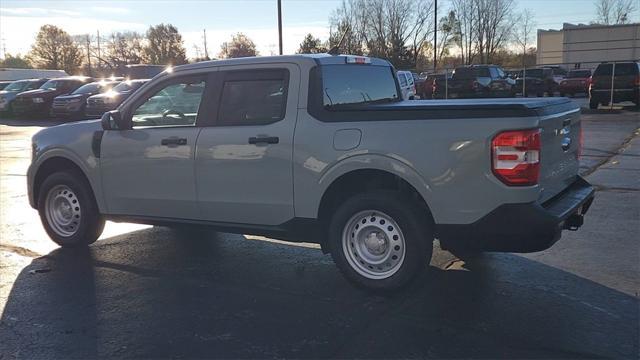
x=252 y=102
x=578 y=74
x=494 y=72
x=626 y=69
x=409 y=79
x=176 y=104
x=500 y=73
x=403 y=80
x=17 y=86
x=347 y=85
x=88 y=89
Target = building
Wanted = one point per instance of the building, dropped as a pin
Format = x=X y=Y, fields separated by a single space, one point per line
x=586 y=46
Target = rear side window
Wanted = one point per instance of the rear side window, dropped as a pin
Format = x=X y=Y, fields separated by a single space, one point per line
x=621 y=69
x=257 y=101
x=403 y=80
x=579 y=74
x=358 y=84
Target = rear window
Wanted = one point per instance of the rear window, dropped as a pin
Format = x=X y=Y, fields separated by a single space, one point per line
x=403 y=80
x=471 y=73
x=358 y=84
x=621 y=69
x=579 y=74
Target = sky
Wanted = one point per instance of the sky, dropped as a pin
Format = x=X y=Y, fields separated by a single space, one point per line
x=20 y=20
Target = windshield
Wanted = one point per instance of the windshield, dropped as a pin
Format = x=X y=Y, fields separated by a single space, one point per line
x=17 y=86
x=88 y=89
x=127 y=86
x=358 y=84
x=51 y=85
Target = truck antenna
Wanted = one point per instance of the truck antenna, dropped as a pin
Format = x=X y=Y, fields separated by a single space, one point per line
x=335 y=50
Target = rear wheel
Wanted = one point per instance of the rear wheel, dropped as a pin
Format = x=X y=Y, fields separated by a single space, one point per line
x=380 y=241
x=68 y=210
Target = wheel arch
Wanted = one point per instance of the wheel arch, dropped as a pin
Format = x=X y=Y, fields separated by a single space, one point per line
x=55 y=162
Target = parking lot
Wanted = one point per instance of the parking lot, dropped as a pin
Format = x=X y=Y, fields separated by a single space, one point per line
x=153 y=292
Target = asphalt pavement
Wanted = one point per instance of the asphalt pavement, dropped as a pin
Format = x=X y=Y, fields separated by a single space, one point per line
x=153 y=292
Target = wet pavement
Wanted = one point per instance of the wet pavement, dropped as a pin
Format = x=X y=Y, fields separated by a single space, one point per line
x=155 y=292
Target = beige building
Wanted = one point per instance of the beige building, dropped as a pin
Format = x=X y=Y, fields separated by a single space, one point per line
x=588 y=45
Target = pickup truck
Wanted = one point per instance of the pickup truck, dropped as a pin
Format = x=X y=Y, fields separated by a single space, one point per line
x=325 y=151
x=480 y=81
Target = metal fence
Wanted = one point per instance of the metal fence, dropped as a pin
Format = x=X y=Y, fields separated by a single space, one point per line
x=558 y=73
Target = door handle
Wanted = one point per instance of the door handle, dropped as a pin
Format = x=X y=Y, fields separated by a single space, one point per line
x=264 y=140
x=175 y=141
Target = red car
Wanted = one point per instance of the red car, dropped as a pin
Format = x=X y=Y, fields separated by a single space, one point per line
x=577 y=81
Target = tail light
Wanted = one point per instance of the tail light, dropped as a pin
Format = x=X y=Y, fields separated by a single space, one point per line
x=516 y=157
x=637 y=82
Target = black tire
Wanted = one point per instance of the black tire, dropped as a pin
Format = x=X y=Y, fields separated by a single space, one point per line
x=90 y=222
x=593 y=105
x=414 y=226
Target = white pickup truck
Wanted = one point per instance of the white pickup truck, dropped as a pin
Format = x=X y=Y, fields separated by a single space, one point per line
x=323 y=149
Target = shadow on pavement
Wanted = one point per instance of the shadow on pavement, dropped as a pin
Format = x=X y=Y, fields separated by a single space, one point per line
x=158 y=293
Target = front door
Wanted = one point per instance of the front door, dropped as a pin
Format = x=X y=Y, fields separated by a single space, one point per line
x=147 y=169
x=244 y=161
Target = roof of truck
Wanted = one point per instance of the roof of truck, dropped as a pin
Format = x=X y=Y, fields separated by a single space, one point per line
x=322 y=59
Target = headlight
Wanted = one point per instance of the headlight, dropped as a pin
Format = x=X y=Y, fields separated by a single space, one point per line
x=38 y=100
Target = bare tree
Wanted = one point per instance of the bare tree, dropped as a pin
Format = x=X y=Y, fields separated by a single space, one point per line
x=609 y=12
x=467 y=23
x=448 y=35
x=494 y=26
x=523 y=35
x=394 y=29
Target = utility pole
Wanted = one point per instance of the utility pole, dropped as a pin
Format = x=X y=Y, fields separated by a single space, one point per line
x=99 y=56
x=435 y=35
x=206 y=52
x=89 y=54
x=280 y=24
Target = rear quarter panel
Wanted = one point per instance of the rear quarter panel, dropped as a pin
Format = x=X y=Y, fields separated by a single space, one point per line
x=448 y=161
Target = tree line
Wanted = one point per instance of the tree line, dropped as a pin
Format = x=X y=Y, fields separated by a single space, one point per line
x=162 y=44
x=471 y=31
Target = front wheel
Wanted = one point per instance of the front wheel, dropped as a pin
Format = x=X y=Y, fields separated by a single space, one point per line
x=380 y=241
x=68 y=210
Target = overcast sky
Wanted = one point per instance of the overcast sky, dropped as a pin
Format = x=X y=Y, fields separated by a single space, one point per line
x=20 y=20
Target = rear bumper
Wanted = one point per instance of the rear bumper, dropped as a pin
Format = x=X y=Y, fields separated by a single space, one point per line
x=527 y=227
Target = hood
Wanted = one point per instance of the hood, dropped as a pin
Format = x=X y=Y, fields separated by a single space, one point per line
x=39 y=92
x=65 y=135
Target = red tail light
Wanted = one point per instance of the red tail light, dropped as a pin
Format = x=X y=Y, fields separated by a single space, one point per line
x=637 y=82
x=516 y=157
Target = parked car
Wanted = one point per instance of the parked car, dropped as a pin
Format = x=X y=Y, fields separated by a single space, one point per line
x=626 y=84
x=559 y=73
x=537 y=81
x=418 y=82
x=480 y=81
x=407 y=85
x=326 y=173
x=73 y=106
x=438 y=85
x=4 y=84
x=16 y=87
x=101 y=103
x=576 y=82
x=38 y=102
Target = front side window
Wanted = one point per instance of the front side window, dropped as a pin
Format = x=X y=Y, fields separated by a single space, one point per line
x=252 y=102
x=176 y=104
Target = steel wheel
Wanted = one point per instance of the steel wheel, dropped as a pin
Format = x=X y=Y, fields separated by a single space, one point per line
x=373 y=244
x=62 y=210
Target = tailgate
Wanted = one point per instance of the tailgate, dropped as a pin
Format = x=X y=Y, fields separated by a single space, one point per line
x=560 y=142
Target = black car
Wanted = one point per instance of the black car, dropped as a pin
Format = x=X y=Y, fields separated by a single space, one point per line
x=626 y=84
x=73 y=105
x=480 y=81
x=536 y=81
x=101 y=103
x=38 y=102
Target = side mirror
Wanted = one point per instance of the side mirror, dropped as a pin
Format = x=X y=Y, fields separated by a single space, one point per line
x=112 y=120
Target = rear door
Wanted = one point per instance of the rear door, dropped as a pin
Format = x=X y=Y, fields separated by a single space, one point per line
x=244 y=160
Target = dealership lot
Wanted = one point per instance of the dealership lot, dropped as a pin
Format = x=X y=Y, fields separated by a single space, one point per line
x=154 y=292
